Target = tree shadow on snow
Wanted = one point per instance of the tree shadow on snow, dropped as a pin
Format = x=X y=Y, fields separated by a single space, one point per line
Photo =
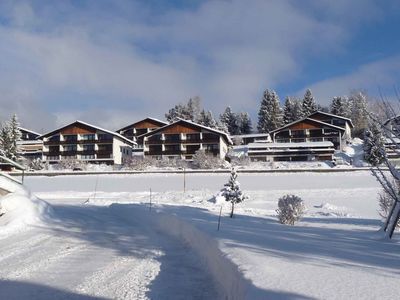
x=351 y=245
x=19 y=290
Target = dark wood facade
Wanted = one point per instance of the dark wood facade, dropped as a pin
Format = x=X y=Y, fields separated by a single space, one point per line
x=85 y=142
x=309 y=130
x=133 y=131
x=182 y=139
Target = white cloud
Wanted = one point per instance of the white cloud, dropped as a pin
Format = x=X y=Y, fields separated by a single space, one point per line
x=120 y=60
x=374 y=77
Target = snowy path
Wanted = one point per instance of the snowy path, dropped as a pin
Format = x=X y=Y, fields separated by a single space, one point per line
x=94 y=252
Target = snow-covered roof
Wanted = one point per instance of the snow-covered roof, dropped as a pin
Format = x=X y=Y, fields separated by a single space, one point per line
x=331 y=115
x=29 y=142
x=250 y=135
x=192 y=123
x=290 y=145
x=309 y=119
x=27 y=130
x=148 y=118
x=92 y=126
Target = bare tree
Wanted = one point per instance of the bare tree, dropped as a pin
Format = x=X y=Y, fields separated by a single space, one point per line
x=389 y=181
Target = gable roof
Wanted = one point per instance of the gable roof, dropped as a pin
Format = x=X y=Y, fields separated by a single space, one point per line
x=161 y=123
x=308 y=119
x=331 y=115
x=117 y=135
x=29 y=131
x=224 y=134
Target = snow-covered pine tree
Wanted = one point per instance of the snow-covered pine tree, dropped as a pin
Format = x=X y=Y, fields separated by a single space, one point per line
x=193 y=108
x=230 y=119
x=291 y=110
x=340 y=106
x=232 y=191
x=15 y=135
x=270 y=113
x=245 y=123
x=308 y=106
x=188 y=111
x=175 y=113
x=206 y=119
x=359 y=114
x=374 y=145
x=6 y=143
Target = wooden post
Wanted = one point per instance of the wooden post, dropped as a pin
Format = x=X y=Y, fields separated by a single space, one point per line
x=150 y=200
x=219 y=218
x=23 y=175
x=184 y=180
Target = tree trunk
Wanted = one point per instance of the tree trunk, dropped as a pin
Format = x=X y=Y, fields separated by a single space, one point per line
x=393 y=221
x=233 y=205
x=389 y=216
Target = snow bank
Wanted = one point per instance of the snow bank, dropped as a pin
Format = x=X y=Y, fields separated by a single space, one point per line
x=19 y=208
x=230 y=281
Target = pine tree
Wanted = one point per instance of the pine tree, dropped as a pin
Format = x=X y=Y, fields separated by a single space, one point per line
x=270 y=113
x=308 y=106
x=245 y=123
x=9 y=136
x=206 y=119
x=15 y=135
x=232 y=191
x=291 y=111
x=189 y=111
x=230 y=120
x=374 y=145
x=359 y=113
x=340 y=106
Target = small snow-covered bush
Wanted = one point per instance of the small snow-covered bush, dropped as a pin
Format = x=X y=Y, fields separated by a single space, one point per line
x=36 y=164
x=203 y=160
x=140 y=163
x=290 y=209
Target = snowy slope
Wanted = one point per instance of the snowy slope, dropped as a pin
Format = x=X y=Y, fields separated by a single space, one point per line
x=103 y=240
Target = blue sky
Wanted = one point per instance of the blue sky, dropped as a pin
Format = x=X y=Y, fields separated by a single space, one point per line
x=113 y=62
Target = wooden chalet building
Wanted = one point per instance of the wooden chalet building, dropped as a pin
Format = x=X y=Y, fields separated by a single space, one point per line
x=181 y=139
x=30 y=146
x=133 y=131
x=310 y=130
x=339 y=121
x=85 y=142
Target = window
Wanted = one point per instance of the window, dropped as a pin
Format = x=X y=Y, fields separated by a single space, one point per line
x=70 y=138
x=104 y=148
x=104 y=136
x=54 y=138
x=211 y=147
x=88 y=137
x=298 y=133
x=68 y=148
x=172 y=148
x=88 y=147
x=172 y=137
x=53 y=157
x=193 y=136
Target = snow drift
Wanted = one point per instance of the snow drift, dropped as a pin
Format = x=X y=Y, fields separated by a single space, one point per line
x=19 y=208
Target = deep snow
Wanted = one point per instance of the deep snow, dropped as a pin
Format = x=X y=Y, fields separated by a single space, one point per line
x=335 y=252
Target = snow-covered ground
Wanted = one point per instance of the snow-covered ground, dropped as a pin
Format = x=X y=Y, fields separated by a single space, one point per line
x=102 y=240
